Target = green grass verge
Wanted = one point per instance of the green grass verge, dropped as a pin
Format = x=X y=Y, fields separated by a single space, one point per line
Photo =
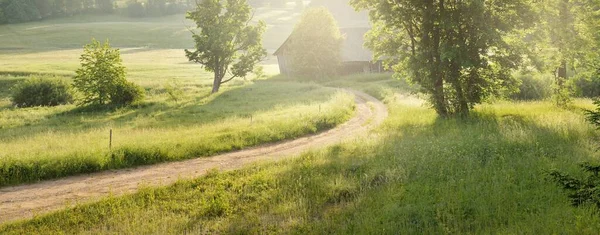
x=44 y=143
x=424 y=175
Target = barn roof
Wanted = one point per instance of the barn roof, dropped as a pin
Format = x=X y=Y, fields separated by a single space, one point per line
x=353 y=49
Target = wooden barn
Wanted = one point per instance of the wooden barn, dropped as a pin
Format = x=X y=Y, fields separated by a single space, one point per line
x=356 y=58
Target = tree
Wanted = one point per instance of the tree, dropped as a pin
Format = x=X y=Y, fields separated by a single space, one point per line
x=459 y=52
x=226 y=43
x=315 y=51
x=101 y=78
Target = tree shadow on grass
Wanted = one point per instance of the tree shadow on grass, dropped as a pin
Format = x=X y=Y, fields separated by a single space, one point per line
x=347 y=189
x=241 y=101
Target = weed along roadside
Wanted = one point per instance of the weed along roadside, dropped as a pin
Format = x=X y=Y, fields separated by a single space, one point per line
x=51 y=195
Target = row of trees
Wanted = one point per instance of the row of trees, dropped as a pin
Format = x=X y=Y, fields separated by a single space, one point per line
x=15 y=11
x=461 y=52
x=154 y=8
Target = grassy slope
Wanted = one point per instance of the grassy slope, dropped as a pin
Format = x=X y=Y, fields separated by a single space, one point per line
x=423 y=175
x=43 y=143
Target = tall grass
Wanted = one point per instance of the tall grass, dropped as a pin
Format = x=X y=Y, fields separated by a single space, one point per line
x=423 y=175
x=45 y=143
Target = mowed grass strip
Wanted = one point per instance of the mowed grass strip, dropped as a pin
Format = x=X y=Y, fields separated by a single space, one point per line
x=424 y=175
x=45 y=143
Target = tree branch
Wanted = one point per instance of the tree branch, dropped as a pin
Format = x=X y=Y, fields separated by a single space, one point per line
x=223 y=82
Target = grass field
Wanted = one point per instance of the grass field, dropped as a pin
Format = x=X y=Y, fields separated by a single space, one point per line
x=419 y=175
x=43 y=143
x=422 y=175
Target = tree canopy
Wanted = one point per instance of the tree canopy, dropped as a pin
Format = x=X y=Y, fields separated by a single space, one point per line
x=459 y=52
x=315 y=51
x=226 y=43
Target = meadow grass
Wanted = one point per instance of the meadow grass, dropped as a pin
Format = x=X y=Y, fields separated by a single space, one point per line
x=43 y=143
x=421 y=175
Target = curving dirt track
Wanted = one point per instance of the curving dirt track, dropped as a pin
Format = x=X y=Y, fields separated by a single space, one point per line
x=22 y=202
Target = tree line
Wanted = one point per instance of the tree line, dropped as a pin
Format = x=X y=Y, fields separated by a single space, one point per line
x=17 y=11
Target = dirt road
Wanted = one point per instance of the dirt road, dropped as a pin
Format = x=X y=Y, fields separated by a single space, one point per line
x=22 y=202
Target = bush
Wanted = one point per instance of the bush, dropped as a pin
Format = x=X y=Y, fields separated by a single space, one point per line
x=533 y=87
x=42 y=92
x=587 y=86
x=127 y=93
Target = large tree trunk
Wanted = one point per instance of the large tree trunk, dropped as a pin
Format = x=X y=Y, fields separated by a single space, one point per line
x=431 y=41
x=217 y=82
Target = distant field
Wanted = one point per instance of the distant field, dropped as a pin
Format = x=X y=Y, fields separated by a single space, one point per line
x=152 y=48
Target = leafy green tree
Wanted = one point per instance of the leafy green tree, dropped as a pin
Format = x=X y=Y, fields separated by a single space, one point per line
x=315 y=51
x=459 y=52
x=101 y=78
x=226 y=43
x=565 y=43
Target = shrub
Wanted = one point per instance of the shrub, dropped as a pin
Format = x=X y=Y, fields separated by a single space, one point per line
x=101 y=78
x=581 y=191
x=127 y=93
x=587 y=86
x=42 y=92
x=533 y=87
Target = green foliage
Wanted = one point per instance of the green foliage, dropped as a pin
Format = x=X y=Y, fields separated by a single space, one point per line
x=581 y=191
x=127 y=93
x=2 y=16
x=39 y=91
x=101 y=78
x=225 y=42
x=459 y=52
x=587 y=86
x=174 y=91
x=105 y=6
x=315 y=52
x=20 y=11
x=562 y=95
x=135 y=9
x=533 y=86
